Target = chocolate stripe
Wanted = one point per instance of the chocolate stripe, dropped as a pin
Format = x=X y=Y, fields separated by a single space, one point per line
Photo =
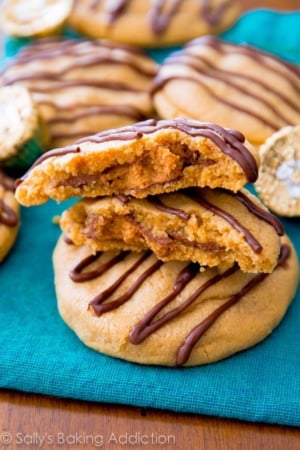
x=195 y=194
x=159 y=16
x=147 y=324
x=8 y=217
x=193 y=337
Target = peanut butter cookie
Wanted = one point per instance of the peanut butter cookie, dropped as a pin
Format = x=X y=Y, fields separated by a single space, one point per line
x=146 y=158
x=213 y=227
x=83 y=86
x=151 y=23
x=138 y=308
x=232 y=85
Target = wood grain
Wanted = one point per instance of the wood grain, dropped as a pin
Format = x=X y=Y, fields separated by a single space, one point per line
x=28 y=416
x=31 y=421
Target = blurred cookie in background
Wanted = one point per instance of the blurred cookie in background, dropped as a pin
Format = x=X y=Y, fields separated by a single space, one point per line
x=232 y=85
x=83 y=86
x=34 y=18
x=152 y=23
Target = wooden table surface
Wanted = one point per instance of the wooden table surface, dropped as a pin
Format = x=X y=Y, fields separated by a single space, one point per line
x=30 y=421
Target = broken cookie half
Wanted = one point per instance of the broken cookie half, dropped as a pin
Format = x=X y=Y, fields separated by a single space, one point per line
x=210 y=226
x=147 y=158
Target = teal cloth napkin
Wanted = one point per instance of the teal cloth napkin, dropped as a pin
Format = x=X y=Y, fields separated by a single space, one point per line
x=40 y=354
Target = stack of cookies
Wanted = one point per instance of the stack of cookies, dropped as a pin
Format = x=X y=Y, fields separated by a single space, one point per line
x=166 y=259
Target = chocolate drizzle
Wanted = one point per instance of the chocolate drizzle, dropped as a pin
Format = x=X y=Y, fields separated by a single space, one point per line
x=259 y=212
x=77 y=274
x=195 y=194
x=6 y=182
x=50 y=83
x=229 y=141
x=203 y=69
x=196 y=333
x=193 y=337
x=159 y=18
x=98 y=307
x=149 y=323
x=214 y=16
x=7 y=216
x=51 y=153
x=158 y=204
x=119 y=7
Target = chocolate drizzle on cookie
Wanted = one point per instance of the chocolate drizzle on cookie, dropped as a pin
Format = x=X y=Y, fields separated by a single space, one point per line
x=51 y=153
x=78 y=274
x=6 y=182
x=229 y=141
x=214 y=15
x=196 y=194
x=49 y=69
x=97 y=305
x=150 y=322
x=8 y=216
x=202 y=70
x=193 y=337
x=161 y=12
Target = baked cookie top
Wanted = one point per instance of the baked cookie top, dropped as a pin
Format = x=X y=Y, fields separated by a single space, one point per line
x=213 y=227
x=235 y=86
x=278 y=184
x=83 y=86
x=146 y=158
x=9 y=215
x=135 y=307
x=152 y=23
